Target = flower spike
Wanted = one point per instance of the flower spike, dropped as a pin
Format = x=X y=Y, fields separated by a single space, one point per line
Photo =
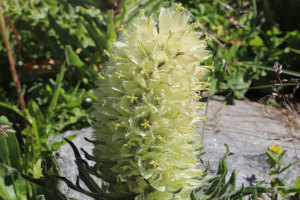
x=147 y=114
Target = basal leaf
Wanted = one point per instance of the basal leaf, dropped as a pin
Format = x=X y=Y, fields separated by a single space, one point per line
x=9 y=147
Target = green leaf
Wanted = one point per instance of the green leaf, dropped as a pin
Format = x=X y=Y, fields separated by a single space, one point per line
x=193 y=196
x=12 y=108
x=12 y=186
x=284 y=71
x=48 y=41
x=134 y=11
x=82 y=167
x=271 y=85
x=297 y=183
x=72 y=58
x=81 y=3
x=255 y=189
x=5 y=191
x=96 y=36
x=294 y=50
x=272 y=156
x=58 y=85
x=256 y=42
x=63 y=34
x=277 y=182
x=275 y=170
x=56 y=145
x=39 y=182
x=254 y=8
x=37 y=170
x=212 y=187
x=38 y=122
x=288 y=166
x=282 y=154
x=110 y=34
x=89 y=156
x=9 y=147
x=121 y=16
x=213 y=86
x=231 y=184
x=49 y=182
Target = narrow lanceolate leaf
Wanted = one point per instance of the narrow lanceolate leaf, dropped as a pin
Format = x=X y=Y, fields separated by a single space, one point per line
x=147 y=111
x=289 y=72
x=72 y=58
x=9 y=146
x=58 y=85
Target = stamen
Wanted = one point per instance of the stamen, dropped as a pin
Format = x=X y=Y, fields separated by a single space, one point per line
x=123 y=30
x=106 y=53
x=142 y=12
x=169 y=36
x=142 y=48
x=145 y=124
x=132 y=98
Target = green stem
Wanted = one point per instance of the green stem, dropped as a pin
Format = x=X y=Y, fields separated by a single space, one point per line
x=14 y=186
x=34 y=192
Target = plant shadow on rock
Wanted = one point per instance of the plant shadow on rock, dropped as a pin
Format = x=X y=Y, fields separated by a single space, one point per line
x=217 y=187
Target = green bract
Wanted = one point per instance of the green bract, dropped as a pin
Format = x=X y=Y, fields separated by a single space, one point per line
x=146 y=114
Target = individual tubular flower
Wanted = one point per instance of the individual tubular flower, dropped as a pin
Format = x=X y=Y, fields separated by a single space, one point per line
x=146 y=114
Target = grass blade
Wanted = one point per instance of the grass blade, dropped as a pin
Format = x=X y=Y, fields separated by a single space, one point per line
x=284 y=71
x=58 y=85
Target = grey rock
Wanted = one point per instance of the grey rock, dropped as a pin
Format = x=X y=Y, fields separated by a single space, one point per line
x=248 y=128
x=65 y=158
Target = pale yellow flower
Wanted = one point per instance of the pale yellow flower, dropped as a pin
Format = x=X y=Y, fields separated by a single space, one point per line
x=147 y=146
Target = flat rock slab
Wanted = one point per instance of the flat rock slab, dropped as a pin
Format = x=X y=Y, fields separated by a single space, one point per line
x=65 y=158
x=248 y=128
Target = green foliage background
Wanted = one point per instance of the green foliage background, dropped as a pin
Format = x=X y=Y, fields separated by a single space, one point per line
x=255 y=34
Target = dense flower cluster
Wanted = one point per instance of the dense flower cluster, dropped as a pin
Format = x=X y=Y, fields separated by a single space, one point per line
x=147 y=111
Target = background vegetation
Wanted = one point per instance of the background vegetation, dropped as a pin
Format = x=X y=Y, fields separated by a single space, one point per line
x=58 y=47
